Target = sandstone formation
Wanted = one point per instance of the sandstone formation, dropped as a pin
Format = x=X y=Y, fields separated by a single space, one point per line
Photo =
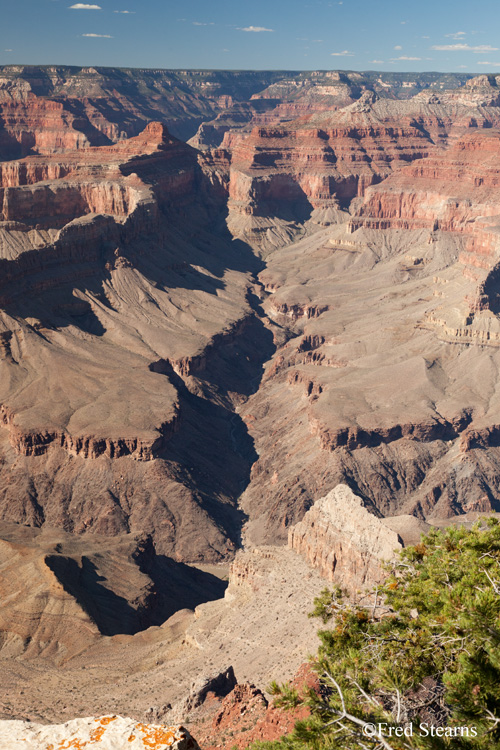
x=437 y=196
x=348 y=544
x=280 y=182
x=301 y=95
x=106 y=732
x=364 y=386
x=344 y=538
x=363 y=391
x=51 y=109
x=56 y=108
x=296 y=171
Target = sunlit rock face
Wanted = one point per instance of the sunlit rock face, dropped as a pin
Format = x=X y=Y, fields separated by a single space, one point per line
x=346 y=542
x=107 y=732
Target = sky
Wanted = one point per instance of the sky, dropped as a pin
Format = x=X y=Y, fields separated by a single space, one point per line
x=389 y=35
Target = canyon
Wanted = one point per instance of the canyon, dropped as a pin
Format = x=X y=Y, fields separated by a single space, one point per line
x=249 y=345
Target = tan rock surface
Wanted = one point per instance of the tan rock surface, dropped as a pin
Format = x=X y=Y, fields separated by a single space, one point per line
x=107 y=300
x=89 y=293
x=55 y=108
x=344 y=540
x=362 y=389
x=106 y=732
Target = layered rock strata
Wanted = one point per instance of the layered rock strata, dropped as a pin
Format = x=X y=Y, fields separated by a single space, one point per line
x=153 y=370
x=58 y=108
x=145 y=674
x=362 y=390
x=50 y=109
x=455 y=193
x=114 y=293
x=291 y=172
x=247 y=716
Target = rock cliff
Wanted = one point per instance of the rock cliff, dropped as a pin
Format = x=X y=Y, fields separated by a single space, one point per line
x=454 y=192
x=101 y=277
x=344 y=540
x=297 y=171
x=110 y=267
x=47 y=109
x=51 y=109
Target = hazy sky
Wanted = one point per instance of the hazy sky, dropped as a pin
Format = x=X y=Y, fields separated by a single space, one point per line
x=441 y=35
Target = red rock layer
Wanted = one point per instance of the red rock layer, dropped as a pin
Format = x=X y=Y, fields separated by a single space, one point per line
x=284 y=171
x=55 y=109
x=417 y=269
x=452 y=191
x=245 y=716
x=34 y=124
x=447 y=191
x=316 y=165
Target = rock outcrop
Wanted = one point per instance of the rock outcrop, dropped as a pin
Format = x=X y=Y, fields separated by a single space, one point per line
x=343 y=398
x=246 y=715
x=344 y=540
x=106 y=732
x=215 y=686
x=300 y=170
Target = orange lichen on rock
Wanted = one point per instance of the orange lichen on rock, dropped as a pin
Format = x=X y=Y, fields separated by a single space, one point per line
x=97 y=734
x=82 y=734
x=106 y=720
x=154 y=737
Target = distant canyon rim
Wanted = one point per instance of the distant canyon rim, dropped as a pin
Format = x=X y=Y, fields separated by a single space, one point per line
x=248 y=322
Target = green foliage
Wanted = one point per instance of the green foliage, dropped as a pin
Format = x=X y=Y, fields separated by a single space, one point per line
x=421 y=655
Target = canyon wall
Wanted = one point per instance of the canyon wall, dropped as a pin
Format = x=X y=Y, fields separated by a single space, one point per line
x=47 y=109
x=287 y=330
x=118 y=262
x=386 y=318
x=95 y=260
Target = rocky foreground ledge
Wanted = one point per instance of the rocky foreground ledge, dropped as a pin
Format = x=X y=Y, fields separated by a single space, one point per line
x=107 y=732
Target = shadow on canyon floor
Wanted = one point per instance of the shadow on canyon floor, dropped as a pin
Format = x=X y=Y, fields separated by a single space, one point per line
x=173 y=586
